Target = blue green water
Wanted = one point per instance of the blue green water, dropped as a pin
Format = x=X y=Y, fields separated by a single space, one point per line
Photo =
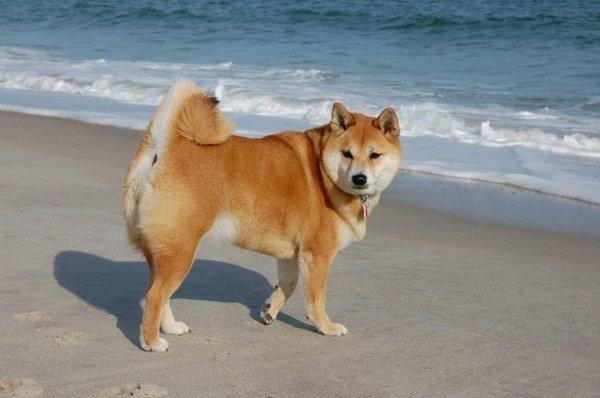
x=502 y=91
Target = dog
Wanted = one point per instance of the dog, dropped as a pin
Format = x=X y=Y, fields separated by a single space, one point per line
x=297 y=196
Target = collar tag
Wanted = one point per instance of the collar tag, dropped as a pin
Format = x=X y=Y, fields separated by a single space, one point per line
x=365 y=206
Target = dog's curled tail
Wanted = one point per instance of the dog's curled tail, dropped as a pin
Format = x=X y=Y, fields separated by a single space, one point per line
x=187 y=111
x=184 y=111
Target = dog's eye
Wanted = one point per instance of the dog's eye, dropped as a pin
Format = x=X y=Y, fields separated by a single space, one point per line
x=375 y=155
x=347 y=154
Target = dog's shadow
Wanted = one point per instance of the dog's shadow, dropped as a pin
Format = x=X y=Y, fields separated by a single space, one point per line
x=118 y=286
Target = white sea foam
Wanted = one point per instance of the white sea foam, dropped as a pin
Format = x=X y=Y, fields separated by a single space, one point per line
x=568 y=176
x=238 y=99
x=573 y=144
x=436 y=120
x=105 y=86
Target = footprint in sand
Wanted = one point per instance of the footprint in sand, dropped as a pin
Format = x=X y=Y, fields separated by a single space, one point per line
x=61 y=338
x=133 y=390
x=20 y=388
x=33 y=316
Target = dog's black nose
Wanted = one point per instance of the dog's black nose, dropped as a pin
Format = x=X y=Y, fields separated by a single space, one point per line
x=359 y=179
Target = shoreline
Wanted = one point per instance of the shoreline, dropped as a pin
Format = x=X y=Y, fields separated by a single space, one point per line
x=546 y=171
x=436 y=304
x=578 y=216
x=499 y=204
x=501 y=184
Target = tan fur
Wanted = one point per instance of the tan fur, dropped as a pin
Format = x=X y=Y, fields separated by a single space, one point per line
x=200 y=121
x=285 y=195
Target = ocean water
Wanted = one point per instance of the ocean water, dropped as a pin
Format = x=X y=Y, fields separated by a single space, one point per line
x=507 y=92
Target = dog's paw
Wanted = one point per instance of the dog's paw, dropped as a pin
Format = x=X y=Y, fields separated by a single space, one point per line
x=265 y=317
x=161 y=345
x=333 y=329
x=177 y=328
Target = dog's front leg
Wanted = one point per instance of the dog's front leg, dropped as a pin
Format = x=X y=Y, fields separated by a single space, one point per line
x=287 y=270
x=314 y=267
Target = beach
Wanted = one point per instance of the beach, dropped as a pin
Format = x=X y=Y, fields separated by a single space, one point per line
x=436 y=303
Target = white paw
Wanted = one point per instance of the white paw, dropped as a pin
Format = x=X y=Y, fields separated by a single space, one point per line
x=176 y=328
x=342 y=329
x=333 y=329
x=161 y=345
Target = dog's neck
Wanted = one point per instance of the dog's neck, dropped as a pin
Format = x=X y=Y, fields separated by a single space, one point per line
x=353 y=209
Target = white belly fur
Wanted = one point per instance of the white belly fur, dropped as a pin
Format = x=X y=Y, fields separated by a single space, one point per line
x=224 y=229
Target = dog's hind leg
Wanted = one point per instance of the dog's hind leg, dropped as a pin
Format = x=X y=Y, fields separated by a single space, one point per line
x=171 y=266
x=151 y=269
x=287 y=271
x=168 y=324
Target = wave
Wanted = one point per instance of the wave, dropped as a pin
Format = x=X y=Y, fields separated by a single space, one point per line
x=424 y=119
x=592 y=105
x=300 y=74
x=436 y=120
x=344 y=15
x=106 y=86
x=571 y=144
x=178 y=67
x=94 y=14
x=417 y=119
x=238 y=99
x=131 y=81
x=388 y=16
x=266 y=91
x=428 y=21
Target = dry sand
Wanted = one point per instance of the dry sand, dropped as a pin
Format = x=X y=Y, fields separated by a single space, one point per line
x=436 y=305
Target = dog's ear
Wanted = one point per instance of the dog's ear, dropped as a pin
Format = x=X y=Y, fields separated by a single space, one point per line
x=341 y=118
x=387 y=122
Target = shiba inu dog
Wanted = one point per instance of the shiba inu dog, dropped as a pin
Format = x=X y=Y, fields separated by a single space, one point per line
x=297 y=196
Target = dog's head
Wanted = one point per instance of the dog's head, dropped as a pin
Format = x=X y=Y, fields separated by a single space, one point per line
x=362 y=153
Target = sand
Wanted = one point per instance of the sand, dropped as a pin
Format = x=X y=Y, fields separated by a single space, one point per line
x=436 y=304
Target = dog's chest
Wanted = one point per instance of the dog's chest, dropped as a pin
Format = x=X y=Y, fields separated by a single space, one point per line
x=346 y=234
